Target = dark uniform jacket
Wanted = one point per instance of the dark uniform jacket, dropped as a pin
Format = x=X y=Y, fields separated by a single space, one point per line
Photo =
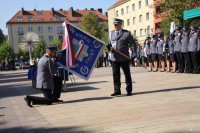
x=45 y=73
x=193 y=43
x=147 y=48
x=171 y=44
x=177 y=46
x=121 y=43
x=160 y=44
x=153 y=47
x=184 y=41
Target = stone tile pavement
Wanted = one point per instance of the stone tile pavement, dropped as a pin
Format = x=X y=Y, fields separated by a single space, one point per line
x=162 y=103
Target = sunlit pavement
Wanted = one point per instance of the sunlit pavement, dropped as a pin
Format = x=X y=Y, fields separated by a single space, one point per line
x=161 y=103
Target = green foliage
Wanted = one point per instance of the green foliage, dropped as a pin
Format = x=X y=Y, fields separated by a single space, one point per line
x=57 y=43
x=5 y=51
x=173 y=12
x=90 y=24
x=23 y=53
x=2 y=36
x=40 y=48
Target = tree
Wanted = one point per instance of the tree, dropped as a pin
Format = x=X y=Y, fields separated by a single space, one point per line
x=22 y=53
x=2 y=36
x=57 y=43
x=40 y=48
x=6 y=51
x=172 y=11
x=90 y=24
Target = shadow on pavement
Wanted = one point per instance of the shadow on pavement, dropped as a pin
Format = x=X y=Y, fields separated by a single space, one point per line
x=167 y=90
x=66 y=129
x=84 y=83
x=16 y=79
x=88 y=99
x=83 y=88
x=13 y=75
x=162 y=90
x=17 y=90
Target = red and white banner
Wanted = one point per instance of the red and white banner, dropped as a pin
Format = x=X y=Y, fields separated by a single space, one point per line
x=67 y=44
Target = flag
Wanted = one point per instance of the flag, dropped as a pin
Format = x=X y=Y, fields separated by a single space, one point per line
x=80 y=51
x=68 y=46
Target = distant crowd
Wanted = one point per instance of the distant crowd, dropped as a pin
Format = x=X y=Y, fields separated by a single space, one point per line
x=178 y=53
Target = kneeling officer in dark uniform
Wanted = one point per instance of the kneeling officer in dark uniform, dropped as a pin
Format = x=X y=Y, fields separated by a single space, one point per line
x=45 y=80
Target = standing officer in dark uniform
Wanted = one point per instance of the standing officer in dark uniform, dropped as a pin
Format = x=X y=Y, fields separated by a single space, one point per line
x=160 y=49
x=177 y=50
x=198 y=50
x=193 y=49
x=148 y=54
x=184 y=49
x=172 y=54
x=154 y=51
x=45 y=82
x=120 y=40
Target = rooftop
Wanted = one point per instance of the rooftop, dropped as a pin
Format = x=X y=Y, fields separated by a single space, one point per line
x=49 y=16
x=119 y=2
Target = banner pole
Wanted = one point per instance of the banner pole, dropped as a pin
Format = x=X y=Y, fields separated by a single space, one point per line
x=117 y=51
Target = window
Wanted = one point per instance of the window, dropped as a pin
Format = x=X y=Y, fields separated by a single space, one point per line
x=40 y=30
x=134 y=32
x=117 y=14
x=148 y=29
x=139 y=4
x=147 y=16
x=146 y=2
x=140 y=18
x=20 y=30
x=133 y=20
x=128 y=22
x=122 y=11
x=19 y=18
x=140 y=32
x=60 y=38
x=133 y=7
x=30 y=18
x=50 y=29
x=60 y=29
x=30 y=29
x=50 y=38
x=127 y=9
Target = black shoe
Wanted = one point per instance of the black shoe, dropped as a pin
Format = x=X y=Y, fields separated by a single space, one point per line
x=129 y=94
x=28 y=102
x=155 y=70
x=57 y=101
x=115 y=94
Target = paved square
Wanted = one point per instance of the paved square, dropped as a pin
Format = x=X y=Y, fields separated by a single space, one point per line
x=162 y=103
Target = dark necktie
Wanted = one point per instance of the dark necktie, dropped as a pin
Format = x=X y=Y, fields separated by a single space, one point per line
x=117 y=32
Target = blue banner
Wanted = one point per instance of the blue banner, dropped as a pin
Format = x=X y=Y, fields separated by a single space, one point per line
x=87 y=49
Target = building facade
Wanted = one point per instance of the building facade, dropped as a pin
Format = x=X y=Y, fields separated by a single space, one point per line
x=48 y=24
x=138 y=17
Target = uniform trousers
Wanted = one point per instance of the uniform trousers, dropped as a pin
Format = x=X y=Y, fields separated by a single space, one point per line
x=49 y=95
x=198 y=59
x=117 y=78
x=47 y=99
x=187 y=63
x=180 y=61
x=194 y=58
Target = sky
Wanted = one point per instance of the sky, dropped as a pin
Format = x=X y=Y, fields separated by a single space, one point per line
x=8 y=8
